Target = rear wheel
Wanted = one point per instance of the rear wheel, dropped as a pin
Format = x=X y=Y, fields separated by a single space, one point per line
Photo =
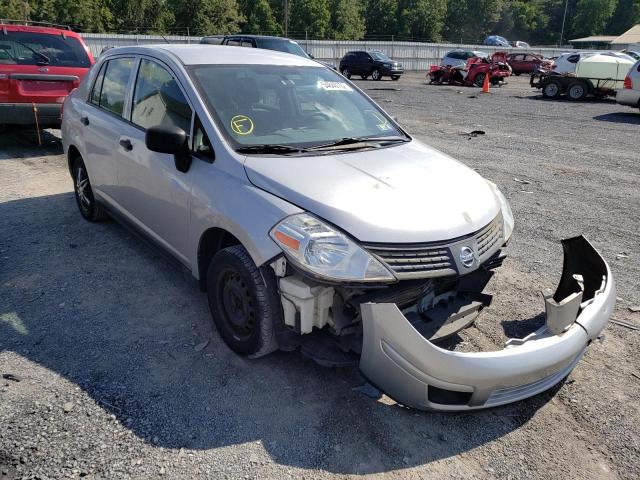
x=346 y=72
x=551 y=89
x=244 y=302
x=85 y=200
x=376 y=74
x=395 y=77
x=479 y=80
x=577 y=91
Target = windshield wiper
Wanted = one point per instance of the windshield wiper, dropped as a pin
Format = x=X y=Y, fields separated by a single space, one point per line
x=365 y=142
x=269 y=148
x=44 y=58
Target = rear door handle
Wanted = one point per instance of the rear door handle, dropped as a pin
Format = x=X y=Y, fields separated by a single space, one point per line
x=84 y=120
x=126 y=144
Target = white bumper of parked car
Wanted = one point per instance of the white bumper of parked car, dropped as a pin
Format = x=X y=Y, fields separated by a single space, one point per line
x=419 y=374
x=628 y=96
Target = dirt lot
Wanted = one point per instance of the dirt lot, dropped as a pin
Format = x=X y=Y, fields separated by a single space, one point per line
x=113 y=379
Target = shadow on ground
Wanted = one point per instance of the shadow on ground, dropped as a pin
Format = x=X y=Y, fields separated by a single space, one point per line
x=98 y=306
x=632 y=118
x=22 y=142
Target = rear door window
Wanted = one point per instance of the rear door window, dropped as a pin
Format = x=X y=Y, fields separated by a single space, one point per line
x=97 y=85
x=158 y=100
x=28 y=48
x=114 y=85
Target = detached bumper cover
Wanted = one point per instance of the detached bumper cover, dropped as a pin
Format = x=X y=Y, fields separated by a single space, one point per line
x=417 y=373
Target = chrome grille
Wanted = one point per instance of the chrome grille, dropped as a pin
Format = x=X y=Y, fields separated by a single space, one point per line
x=489 y=236
x=429 y=260
x=415 y=260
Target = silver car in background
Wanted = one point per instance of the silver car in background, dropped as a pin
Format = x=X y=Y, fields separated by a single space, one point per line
x=313 y=221
x=458 y=58
x=630 y=93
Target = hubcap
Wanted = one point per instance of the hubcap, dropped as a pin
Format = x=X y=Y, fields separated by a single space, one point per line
x=82 y=187
x=237 y=304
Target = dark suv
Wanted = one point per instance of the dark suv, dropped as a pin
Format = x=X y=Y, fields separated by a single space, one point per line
x=375 y=64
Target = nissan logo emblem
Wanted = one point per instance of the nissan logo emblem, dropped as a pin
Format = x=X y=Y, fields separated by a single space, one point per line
x=467 y=257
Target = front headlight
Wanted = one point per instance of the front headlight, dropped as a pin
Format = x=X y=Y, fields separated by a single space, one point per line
x=326 y=252
x=507 y=214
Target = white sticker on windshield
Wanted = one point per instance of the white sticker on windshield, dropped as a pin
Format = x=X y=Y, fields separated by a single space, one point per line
x=334 y=86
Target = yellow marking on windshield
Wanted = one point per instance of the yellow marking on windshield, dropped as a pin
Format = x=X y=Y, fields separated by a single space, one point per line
x=242 y=125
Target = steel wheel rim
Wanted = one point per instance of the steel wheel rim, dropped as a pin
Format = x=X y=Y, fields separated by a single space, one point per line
x=579 y=89
x=552 y=89
x=236 y=305
x=83 y=188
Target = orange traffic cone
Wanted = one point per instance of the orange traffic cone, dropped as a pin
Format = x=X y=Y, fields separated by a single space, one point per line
x=485 y=84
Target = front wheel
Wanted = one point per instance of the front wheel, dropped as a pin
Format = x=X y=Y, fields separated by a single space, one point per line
x=244 y=302
x=376 y=75
x=479 y=80
x=346 y=73
x=89 y=208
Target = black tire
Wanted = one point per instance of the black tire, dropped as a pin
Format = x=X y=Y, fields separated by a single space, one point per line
x=89 y=208
x=479 y=80
x=577 y=91
x=551 y=89
x=244 y=302
x=346 y=73
x=364 y=77
x=376 y=74
x=395 y=77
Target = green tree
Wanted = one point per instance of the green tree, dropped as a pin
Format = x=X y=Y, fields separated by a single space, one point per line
x=15 y=9
x=626 y=15
x=260 y=18
x=592 y=16
x=208 y=17
x=310 y=17
x=381 y=17
x=149 y=16
x=471 y=20
x=347 y=20
x=423 y=19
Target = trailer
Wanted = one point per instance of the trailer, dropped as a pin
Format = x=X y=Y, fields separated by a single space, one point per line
x=598 y=76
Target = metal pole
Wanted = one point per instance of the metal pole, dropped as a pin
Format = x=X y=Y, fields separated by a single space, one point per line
x=564 y=17
x=286 y=18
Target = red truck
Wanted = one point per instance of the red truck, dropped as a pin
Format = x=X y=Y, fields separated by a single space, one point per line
x=39 y=66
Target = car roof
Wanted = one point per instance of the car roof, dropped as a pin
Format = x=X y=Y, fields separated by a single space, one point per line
x=37 y=29
x=202 y=54
x=259 y=36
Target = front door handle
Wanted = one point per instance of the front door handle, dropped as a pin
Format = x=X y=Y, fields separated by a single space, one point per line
x=126 y=144
x=84 y=121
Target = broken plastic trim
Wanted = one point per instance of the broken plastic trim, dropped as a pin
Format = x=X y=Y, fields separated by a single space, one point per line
x=406 y=366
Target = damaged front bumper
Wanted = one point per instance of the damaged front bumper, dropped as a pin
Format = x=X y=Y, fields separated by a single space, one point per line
x=415 y=372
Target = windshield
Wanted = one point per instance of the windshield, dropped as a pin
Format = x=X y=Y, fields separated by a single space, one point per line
x=28 y=48
x=283 y=105
x=286 y=46
x=380 y=56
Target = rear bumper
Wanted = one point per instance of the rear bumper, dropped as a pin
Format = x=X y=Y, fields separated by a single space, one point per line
x=629 y=97
x=23 y=114
x=417 y=373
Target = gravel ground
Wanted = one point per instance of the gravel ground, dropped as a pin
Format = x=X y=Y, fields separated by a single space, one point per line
x=111 y=368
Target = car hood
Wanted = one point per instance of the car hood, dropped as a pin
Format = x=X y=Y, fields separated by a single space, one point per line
x=402 y=194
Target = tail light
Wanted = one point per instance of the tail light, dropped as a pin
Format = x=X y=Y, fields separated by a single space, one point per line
x=628 y=84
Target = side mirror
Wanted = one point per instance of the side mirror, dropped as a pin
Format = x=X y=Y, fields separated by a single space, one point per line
x=311 y=56
x=173 y=141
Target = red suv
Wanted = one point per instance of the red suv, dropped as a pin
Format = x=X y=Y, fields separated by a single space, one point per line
x=39 y=66
x=526 y=62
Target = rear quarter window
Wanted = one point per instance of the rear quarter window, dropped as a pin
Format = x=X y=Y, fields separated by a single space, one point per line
x=29 y=48
x=114 y=85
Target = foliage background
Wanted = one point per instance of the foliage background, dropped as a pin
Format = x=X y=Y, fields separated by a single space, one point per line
x=465 y=21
